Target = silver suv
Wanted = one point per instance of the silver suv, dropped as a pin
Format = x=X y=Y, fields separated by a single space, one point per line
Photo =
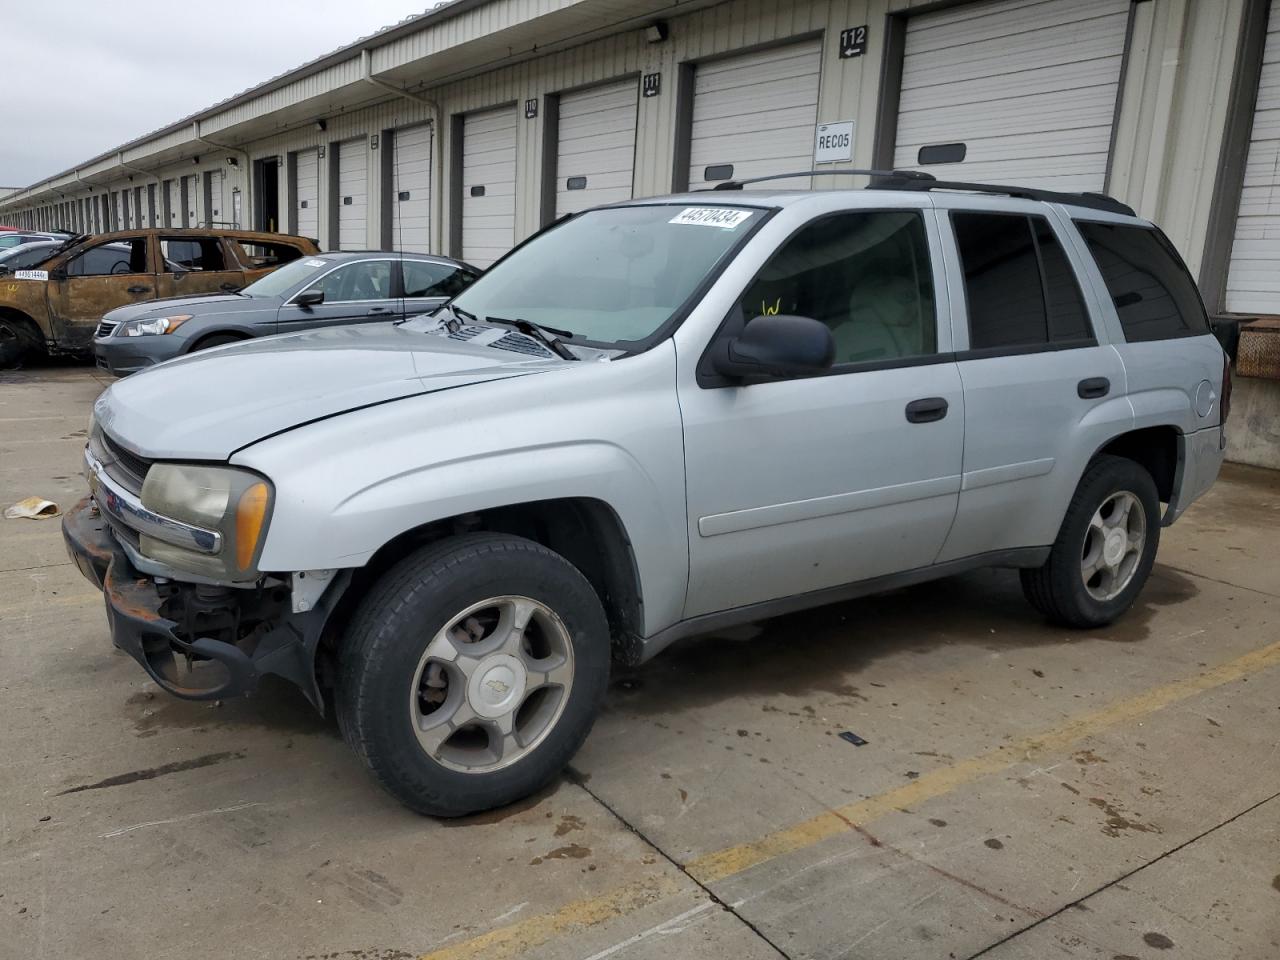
x=652 y=420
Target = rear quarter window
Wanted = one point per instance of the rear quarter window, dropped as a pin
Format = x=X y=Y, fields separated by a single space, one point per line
x=1150 y=286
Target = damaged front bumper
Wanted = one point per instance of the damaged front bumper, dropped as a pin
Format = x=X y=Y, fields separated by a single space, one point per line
x=159 y=624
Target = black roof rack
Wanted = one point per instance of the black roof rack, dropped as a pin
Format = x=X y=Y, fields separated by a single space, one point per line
x=918 y=180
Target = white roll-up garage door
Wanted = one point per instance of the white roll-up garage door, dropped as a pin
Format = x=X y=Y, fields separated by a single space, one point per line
x=1253 y=279
x=595 y=157
x=755 y=115
x=173 y=206
x=191 y=216
x=1028 y=87
x=215 y=199
x=306 y=193
x=488 y=185
x=411 y=190
x=353 y=195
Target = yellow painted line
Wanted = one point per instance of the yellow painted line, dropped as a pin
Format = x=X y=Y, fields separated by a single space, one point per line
x=519 y=938
x=513 y=940
x=726 y=863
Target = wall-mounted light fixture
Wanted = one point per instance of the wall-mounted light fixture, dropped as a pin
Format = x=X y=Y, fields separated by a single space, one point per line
x=321 y=126
x=233 y=161
x=657 y=31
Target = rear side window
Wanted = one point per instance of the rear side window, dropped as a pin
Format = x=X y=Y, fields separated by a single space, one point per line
x=185 y=254
x=1020 y=287
x=423 y=278
x=1151 y=288
x=259 y=254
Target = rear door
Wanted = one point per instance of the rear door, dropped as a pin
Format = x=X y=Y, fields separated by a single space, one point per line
x=359 y=291
x=195 y=265
x=98 y=279
x=1043 y=387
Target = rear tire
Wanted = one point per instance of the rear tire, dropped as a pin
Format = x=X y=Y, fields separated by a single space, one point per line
x=1105 y=548
x=472 y=672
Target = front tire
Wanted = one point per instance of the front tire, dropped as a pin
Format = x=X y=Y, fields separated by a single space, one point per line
x=472 y=673
x=1105 y=548
x=19 y=341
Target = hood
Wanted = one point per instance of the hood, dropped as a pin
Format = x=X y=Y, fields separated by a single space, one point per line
x=207 y=405
x=198 y=306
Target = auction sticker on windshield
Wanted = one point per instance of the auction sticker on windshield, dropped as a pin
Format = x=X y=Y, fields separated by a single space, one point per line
x=711 y=217
x=315 y=263
x=31 y=274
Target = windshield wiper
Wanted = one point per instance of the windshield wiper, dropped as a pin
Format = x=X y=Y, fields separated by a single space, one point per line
x=549 y=336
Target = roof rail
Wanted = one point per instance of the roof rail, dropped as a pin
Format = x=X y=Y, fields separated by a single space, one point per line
x=1090 y=200
x=891 y=175
x=919 y=180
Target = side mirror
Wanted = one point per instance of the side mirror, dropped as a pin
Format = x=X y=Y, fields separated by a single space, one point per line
x=778 y=346
x=309 y=298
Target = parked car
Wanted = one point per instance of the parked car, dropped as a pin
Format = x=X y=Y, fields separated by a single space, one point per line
x=24 y=256
x=316 y=291
x=57 y=307
x=14 y=238
x=652 y=420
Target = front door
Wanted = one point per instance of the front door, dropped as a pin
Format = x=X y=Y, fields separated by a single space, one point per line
x=797 y=485
x=356 y=292
x=1041 y=394
x=192 y=266
x=96 y=280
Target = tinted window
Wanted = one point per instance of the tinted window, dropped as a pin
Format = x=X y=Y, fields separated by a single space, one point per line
x=865 y=275
x=118 y=257
x=259 y=254
x=366 y=280
x=425 y=279
x=1012 y=301
x=1152 y=290
x=200 y=253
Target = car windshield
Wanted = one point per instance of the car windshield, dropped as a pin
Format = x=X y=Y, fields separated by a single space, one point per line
x=27 y=255
x=612 y=275
x=280 y=281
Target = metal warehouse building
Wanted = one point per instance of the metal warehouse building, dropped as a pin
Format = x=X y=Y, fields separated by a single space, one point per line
x=467 y=128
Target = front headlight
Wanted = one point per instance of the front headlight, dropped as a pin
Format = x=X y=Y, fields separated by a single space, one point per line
x=235 y=503
x=153 y=326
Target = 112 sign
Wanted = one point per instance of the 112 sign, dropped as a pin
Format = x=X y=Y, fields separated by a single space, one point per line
x=853 y=42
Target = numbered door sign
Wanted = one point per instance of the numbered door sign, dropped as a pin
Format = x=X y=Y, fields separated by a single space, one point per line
x=853 y=42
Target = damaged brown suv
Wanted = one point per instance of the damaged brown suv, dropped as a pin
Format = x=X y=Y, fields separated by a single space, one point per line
x=54 y=308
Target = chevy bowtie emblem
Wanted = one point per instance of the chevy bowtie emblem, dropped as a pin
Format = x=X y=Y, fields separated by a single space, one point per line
x=497 y=686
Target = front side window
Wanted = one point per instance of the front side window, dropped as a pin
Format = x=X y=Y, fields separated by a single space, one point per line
x=1020 y=287
x=187 y=254
x=365 y=280
x=116 y=258
x=424 y=278
x=866 y=275
x=1152 y=290
x=615 y=275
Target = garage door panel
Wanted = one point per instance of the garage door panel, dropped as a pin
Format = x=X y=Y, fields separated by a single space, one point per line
x=596 y=145
x=488 y=160
x=1030 y=88
x=353 y=186
x=411 y=189
x=756 y=112
x=1253 y=276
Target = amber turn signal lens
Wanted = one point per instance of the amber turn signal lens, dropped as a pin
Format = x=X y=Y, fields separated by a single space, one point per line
x=250 y=514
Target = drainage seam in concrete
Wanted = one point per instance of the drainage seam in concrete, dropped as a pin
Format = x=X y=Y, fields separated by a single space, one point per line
x=1225 y=583
x=1121 y=879
x=580 y=781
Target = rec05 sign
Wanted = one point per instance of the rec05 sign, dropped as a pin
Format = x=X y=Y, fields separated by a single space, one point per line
x=833 y=142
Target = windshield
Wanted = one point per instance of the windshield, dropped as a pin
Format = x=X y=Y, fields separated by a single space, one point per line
x=27 y=255
x=611 y=275
x=280 y=281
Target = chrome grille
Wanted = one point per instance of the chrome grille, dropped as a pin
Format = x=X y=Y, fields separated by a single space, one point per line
x=125 y=468
x=105 y=328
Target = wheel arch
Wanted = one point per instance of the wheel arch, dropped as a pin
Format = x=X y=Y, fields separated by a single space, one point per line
x=1156 y=449
x=585 y=531
x=199 y=342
